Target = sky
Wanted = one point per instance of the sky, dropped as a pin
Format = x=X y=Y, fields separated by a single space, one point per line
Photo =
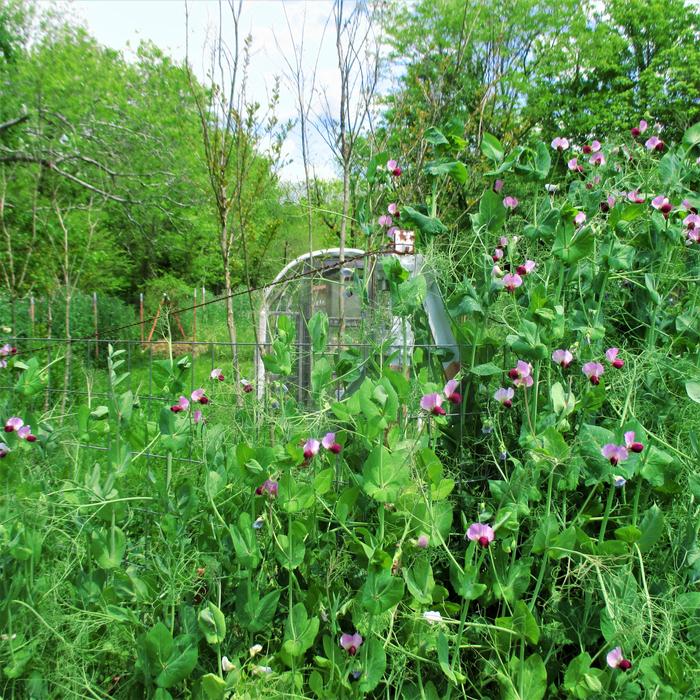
x=122 y=24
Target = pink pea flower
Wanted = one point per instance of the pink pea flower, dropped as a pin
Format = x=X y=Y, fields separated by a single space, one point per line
x=691 y=222
x=595 y=146
x=217 y=374
x=25 y=433
x=662 y=204
x=560 y=143
x=385 y=220
x=197 y=417
x=580 y=219
x=330 y=444
x=521 y=374
x=7 y=349
x=4 y=450
x=393 y=167
x=503 y=241
x=526 y=268
x=432 y=403
x=247 y=386
x=693 y=236
x=654 y=144
x=483 y=534
x=597 y=159
x=615 y=659
x=311 y=447
x=497 y=254
x=393 y=209
x=269 y=487
x=505 y=396
x=614 y=453
x=594 y=371
x=512 y=282
x=639 y=130
x=450 y=391
x=423 y=541
x=351 y=642
x=574 y=166
x=392 y=232
x=563 y=358
x=12 y=424
x=182 y=405
x=496 y=271
x=510 y=202
x=632 y=444
x=635 y=197
x=198 y=396
x=498 y=186
x=613 y=359
x=607 y=204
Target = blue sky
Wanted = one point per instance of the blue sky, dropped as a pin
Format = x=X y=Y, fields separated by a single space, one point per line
x=122 y=24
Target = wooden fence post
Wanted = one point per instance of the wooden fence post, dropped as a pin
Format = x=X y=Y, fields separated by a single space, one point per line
x=97 y=333
x=194 y=318
x=32 y=312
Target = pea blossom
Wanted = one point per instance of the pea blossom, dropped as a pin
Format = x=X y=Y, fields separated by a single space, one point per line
x=385 y=220
x=563 y=358
x=432 y=403
x=632 y=444
x=580 y=219
x=25 y=433
x=662 y=204
x=432 y=616
x=198 y=396
x=635 y=197
x=574 y=166
x=393 y=209
x=594 y=371
x=505 y=396
x=498 y=186
x=226 y=665
x=450 y=391
x=614 y=453
x=594 y=147
x=692 y=221
x=393 y=167
x=521 y=374
x=182 y=405
x=613 y=359
x=560 y=143
x=423 y=541
x=497 y=254
x=247 y=386
x=654 y=143
x=639 y=130
x=351 y=642
x=512 y=281
x=217 y=374
x=4 y=450
x=607 y=204
x=483 y=534
x=311 y=447
x=616 y=659
x=197 y=417
x=269 y=487
x=526 y=268
x=619 y=481
x=330 y=444
x=597 y=159
x=510 y=202
x=12 y=424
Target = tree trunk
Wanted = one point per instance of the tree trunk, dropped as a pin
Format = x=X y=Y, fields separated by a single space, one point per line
x=230 y=320
x=68 y=357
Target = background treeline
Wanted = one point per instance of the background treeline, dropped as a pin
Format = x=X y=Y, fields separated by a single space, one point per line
x=104 y=183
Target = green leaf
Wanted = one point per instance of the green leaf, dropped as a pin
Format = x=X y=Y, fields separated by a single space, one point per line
x=628 y=533
x=522 y=622
x=491 y=214
x=264 y=611
x=158 y=644
x=652 y=527
x=244 y=541
x=582 y=681
x=650 y=284
x=435 y=137
x=318 y=330
x=429 y=226
x=212 y=624
x=693 y=391
x=299 y=631
x=381 y=591
x=108 y=547
x=571 y=244
x=661 y=470
x=179 y=664
x=691 y=137
x=374 y=665
x=486 y=370
x=531 y=676
x=214 y=687
x=465 y=582
x=385 y=474
x=492 y=148
x=452 y=168
x=443 y=651
x=420 y=582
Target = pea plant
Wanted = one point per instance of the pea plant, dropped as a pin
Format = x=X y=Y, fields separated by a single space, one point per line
x=527 y=528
